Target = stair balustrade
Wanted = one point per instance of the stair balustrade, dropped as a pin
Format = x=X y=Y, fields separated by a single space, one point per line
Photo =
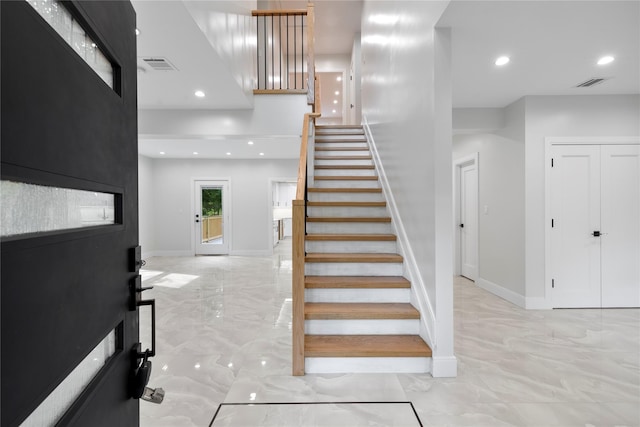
x=285 y=54
x=299 y=216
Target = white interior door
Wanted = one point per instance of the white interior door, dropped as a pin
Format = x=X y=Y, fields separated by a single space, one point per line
x=575 y=212
x=620 y=225
x=469 y=221
x=211 y=218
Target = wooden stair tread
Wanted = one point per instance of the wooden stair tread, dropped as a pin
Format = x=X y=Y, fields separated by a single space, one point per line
x=344 y=167
x=348 y=204
x=348 y=219
x=350 y=311
x=350 y=237
x=353 y=257
x=365 y=346
x=351 y=282
x=343 y=190
x=343 y=157
x=339 y=127
x=346 y=177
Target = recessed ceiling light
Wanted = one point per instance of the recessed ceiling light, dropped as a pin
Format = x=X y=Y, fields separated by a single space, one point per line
x=250 y=142
x=199 y=94
x=606 y=60
x=137 y=32
x=339 y=78
x=333 y=111
x=195 y=152
x=335 y=101
x=163 y=153
x=502 y=60
x=228 y=154
x=262 y=154
x=337 y=92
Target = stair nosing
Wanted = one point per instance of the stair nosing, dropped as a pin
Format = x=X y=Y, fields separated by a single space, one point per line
x=353 y=258
x=328 y=237
x=332 y=219
x=356 y=282
x=363 y=346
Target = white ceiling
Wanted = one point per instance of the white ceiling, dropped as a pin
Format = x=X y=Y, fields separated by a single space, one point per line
x=553 y=45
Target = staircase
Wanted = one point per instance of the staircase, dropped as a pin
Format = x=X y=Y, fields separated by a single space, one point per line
x=357 y=313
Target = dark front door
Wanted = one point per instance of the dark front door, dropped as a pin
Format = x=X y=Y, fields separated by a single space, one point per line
x=69 y=212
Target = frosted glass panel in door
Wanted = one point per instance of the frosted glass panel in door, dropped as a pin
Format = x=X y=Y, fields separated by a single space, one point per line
x=620 y=225
x=28 y=208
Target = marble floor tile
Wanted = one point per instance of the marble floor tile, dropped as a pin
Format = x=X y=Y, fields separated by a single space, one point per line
x=224 y=336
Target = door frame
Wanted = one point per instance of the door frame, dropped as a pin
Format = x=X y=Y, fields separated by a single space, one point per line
x=458 y=164
x=549 y=142
x=228 y=210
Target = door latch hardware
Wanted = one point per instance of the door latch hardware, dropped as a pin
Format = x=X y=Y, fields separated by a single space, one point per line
x=596 y=234
x=135 y=259
x=461 y=225
x=153 y=395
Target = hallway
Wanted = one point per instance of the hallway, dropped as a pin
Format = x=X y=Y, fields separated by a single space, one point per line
x=223 y=336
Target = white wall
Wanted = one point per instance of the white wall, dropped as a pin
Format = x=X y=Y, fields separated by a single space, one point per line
x=554 y=116
x=401 y=86
x=271 y=115
x=501 y=190
x=145 y=205
x=171 y=212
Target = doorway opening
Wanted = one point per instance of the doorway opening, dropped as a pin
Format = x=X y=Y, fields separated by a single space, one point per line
x=466 y=216
x=282 y=191
x=211 y=217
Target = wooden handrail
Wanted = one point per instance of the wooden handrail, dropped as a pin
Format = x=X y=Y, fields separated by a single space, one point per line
x=298 y=252
x=279 y=12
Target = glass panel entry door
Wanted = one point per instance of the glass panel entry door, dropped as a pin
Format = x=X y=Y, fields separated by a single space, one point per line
x=211 y=218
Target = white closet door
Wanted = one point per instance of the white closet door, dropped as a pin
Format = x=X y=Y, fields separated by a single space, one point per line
x=575 y=209
x=620 y=225
x=469 y=221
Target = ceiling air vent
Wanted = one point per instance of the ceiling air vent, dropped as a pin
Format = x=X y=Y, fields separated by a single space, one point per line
x=592 y=82
x=159 y=64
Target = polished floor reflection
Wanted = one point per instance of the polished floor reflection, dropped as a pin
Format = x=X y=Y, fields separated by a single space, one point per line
x=224 y=336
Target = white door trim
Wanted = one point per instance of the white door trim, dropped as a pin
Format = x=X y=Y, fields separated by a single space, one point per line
x=548 y=143
x=228 y=209
x=472 y=159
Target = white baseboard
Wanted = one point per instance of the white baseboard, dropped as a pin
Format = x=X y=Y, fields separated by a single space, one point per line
x=502 y=292
x=444 y=367
x=537 y=303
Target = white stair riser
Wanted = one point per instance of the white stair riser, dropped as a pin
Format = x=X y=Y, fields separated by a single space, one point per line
x=338 y=133
x=343 y=172
x=362 y=327
x=363 y=152
x=366 y=247
x=349 y=227
x=340 y=295
x=349 y=144
x=345 y=183
x=345 y=197
x=353 y=269
x=335 y=162
x=345 y=365
x=347 y=211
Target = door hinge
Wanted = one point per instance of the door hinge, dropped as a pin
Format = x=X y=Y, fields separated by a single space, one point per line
x=551 y=162
x=552 y=223
x=553 y=283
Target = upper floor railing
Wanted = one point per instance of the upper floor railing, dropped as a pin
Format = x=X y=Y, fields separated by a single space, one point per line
x=285 y=59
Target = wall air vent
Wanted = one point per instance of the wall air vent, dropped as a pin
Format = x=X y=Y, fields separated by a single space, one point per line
x=159 y=64
x=592 y=82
